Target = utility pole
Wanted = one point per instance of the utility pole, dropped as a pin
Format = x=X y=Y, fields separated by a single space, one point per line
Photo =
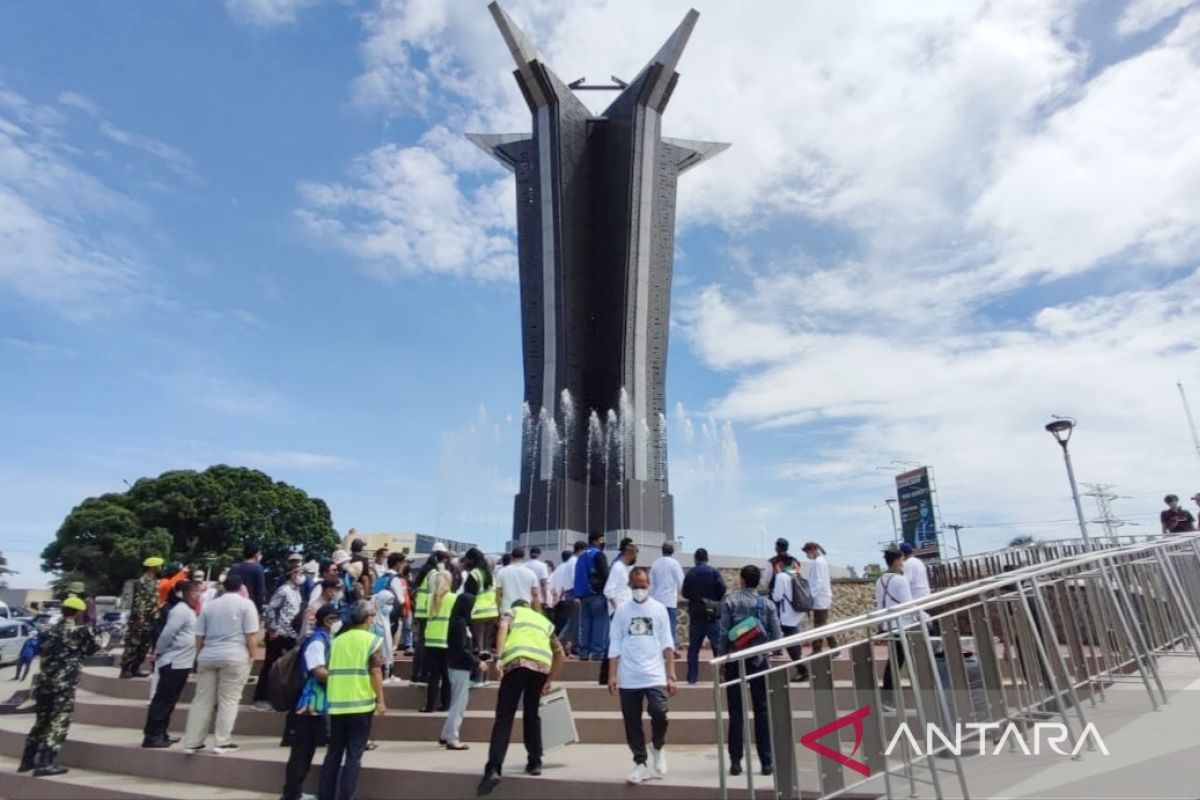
x=957 y=542
x=1187 y=409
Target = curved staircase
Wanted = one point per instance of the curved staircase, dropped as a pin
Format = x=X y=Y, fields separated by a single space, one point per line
x=106 y=760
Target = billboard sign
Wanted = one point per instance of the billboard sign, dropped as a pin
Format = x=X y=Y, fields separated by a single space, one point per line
x=917 y=514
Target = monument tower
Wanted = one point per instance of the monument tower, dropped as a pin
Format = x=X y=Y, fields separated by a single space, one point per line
x=596 y=232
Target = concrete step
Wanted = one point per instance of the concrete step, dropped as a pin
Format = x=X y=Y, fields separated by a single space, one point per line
x=585 y=695
x=396 y=769
x=90 y=784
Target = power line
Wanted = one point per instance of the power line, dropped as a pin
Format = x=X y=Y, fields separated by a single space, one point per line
x=1187 y=410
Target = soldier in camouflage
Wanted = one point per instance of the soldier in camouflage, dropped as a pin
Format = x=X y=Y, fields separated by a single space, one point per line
x=63 y=648
x=142 y=614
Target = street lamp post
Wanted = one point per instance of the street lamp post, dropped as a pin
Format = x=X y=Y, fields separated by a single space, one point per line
x=891 y=504
x=1061 y=429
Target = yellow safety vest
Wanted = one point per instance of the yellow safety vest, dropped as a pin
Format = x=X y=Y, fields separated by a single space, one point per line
x=437 y=629
x=485 y=601
x=528 y=637
x=349 y=686
x=421 y=608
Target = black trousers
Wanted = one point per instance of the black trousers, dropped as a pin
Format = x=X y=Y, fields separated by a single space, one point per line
x=308 y=732
x=348 y=735
x=437 y=693
x=418 y=659
x=891 y=675
x=655 y=700
x=275 y=648
x=758 y=701
x=158 y=718
x=519 y=686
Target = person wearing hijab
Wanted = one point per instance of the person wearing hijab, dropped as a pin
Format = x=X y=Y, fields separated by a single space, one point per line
x=437 y=629
x=384 y=602
x=461 y=663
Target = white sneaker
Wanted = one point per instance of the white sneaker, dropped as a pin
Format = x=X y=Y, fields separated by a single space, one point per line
x=658 y=761
x=223 y=749
x=640 y=774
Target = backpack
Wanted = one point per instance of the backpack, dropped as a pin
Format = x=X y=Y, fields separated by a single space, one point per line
x=381 y=583
x=801 y=598
x=749 y=630
x=285 y=680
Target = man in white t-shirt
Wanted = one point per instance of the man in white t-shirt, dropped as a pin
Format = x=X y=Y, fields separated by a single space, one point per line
x=616 y=588
x=642 y=655
x=517 y=582
x=666 y=579
x=226 y=637
x=892 y=589
x=539 y=568
x=915 y=572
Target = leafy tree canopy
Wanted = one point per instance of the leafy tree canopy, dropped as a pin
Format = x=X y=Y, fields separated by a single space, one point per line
x=198 y=518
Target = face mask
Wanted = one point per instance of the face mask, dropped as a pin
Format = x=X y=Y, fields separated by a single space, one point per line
x=299 y=579
x=640 y=595
x=337 y=626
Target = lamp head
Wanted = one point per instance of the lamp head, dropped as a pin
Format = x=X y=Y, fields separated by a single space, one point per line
x=1061 y=429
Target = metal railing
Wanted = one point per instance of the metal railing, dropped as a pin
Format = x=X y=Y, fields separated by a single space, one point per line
x=1038 y=642
x=955 y=571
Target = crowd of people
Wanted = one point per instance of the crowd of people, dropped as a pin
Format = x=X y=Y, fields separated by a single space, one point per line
x=342 y=622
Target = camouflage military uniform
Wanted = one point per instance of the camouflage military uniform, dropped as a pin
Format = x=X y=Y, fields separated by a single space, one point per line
x=142 y=615
x=63 y=648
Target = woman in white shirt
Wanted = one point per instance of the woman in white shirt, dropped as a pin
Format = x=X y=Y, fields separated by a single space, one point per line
x=821 y=587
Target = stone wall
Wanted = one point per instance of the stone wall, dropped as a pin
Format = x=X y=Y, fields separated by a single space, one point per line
x=851 y=598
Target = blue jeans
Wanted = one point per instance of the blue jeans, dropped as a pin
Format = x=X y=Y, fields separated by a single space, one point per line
x=673 y=613
x=698 y=629
x=593 y=627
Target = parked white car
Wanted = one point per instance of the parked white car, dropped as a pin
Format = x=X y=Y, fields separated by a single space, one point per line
x=13 y=635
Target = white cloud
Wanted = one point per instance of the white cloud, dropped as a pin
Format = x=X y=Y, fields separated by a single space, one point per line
x=266 y=13
x=1115 y=173
x=291 y=459
x=403 y=212
x=176 y=160
x=1142 y=15
x=61 y=228
x=39 y=350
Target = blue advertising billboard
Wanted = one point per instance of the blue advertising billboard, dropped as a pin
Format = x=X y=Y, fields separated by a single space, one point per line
x=918 y=516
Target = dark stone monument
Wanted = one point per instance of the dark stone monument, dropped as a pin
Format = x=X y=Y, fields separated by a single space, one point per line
x=596 y=232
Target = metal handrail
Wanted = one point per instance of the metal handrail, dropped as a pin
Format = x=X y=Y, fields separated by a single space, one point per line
x=1045 y=637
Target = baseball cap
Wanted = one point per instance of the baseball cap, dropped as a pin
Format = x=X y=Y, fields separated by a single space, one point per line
x=339 y=557
x=153 y=561
x=295 y=557
x=438 y=547
x=906 y=548
x=326 y=611
x=75 y=587
x=75 y=603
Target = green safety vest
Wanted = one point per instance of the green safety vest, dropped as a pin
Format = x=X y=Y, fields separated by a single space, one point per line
x=349 y=686
x=528 y=637
x=437 y=629
x=485 y=601
x=421 y=607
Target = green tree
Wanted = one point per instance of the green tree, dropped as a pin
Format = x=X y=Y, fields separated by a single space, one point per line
x=198 y=518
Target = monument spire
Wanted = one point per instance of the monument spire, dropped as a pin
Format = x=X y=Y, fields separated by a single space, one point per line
x=595 y=229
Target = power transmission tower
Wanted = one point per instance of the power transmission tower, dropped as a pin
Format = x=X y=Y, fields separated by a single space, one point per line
x=1103 y=494
x=1187 y=409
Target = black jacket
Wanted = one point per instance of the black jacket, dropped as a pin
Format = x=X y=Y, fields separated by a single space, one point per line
x=460 y=650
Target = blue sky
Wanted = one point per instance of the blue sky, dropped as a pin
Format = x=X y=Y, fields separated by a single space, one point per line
x=252 y=232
